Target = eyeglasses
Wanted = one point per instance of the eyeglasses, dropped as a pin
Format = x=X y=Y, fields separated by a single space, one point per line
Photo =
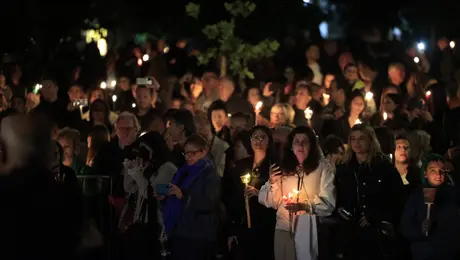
x=257 y=138
x=190 y=153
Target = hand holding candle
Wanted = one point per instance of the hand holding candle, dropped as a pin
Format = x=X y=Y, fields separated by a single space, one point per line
x=326 y=98
x=308 y=113
x=358 y=122
x=246 y=179
x=259 y=107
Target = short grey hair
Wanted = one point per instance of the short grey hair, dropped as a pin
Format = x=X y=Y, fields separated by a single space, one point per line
x=128 y=115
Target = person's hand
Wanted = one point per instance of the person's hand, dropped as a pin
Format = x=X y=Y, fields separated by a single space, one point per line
x=298 y=206
x=174 y=190
x=333 y=159
x=250 y=192
x=363 y=222
x=267 y=92
x=275 y=173
x=426 y=224
x=230 y=242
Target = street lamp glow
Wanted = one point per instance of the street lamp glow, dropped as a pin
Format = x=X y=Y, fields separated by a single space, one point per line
x=103 y=85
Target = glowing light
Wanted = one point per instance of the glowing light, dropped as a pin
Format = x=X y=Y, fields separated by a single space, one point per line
x=259 y=105
x=358 y=122
x=139 y=62
x=428 y=94
x=326 y=98
x=246 y=179
x=416 y=59
x=369 y=96
x=323 y=29
x=102 y=46
x=134 y=105
x=113 y=83
x=146 y=57
x=421 y=46
x=452 y=44
x=114 y=98
x=166 y=49
x=103 y=85
x=385 y=116
x=143 y=133
x=229 y=115
x=308 y=113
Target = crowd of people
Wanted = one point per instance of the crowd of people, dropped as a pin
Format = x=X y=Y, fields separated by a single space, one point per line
x=346 y=156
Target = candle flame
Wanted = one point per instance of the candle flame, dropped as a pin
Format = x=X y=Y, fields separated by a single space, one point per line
x=246 y=179
x=259 y=105
x=103 y=85
x=385 y=115
x=358 y=122
x=428 y=93
x=369 y=96
x=308 y=113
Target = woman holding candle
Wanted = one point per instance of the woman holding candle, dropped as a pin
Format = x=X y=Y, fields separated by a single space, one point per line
x=433 y=227
x=352 y=117
x=302 y=190
x=253 y=231
x=369 y=192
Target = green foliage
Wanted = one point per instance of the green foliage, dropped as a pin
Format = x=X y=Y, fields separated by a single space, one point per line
x=238 y=52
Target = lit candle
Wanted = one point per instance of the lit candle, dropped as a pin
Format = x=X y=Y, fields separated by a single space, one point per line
x=259 y=105
x=114 y=99
x=134 y=105
x=146 y=57
x=416 y=59
x=452 y=44
x=358 y=122
x=292 y=197
x=229 y=115
x=428 y=94
x=246 y=179
x=139 y=62
x=385 y=116
x=103 y=85
x=326 y=98
x=369 y=96
x=308 y=113
x=113 y=83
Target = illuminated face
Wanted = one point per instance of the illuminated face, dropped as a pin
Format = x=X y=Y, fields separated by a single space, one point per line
x=301 y=147
x=359 y=143
x=259 y=140
x=75 y=92
x=435 y=173
x=357 y=106
x=396 y=76
x=193 y=154
x=144 y=98
x=278 y=116
x=402 y=151
x=219 y=119
x=97 y=94
x=302 y=97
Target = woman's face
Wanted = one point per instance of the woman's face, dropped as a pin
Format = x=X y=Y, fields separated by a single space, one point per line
x=357 y=106
x=351 y=73
x=253 y=96
x=193 y=154
x=388 y=105
x=259 y=141
x=278 y=116
x=97 y=94
x=301 y=147
x=219 y=119
x=240 y=151
x=98 y=114
x=402 y=151
x=359 y=143
x=435 y=173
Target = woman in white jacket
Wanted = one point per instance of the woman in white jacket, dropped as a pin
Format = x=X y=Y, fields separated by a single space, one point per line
x=301 y=192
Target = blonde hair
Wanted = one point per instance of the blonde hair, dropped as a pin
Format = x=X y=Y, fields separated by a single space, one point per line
x=398 y=66
x=288 y=111
x=374 y=145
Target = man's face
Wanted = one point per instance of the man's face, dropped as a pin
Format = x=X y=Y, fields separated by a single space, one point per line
x=124 y=83
x=67 y=146
x=226 y=89
x=396 y=76
x=126 y=131
x=144 y=98
x=49 y=90
x=359 y=142
x=75 y=92
x=302 y=96
x=209 y=80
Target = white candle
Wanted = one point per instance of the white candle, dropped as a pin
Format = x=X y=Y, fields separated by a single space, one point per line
x=385 y=116
x=308 y=113
x=369 y=96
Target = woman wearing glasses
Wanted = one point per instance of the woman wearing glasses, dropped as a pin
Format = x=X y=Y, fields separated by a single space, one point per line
x=192 y=207
x=300 y=192
x=255 y=242
x=433 y=235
